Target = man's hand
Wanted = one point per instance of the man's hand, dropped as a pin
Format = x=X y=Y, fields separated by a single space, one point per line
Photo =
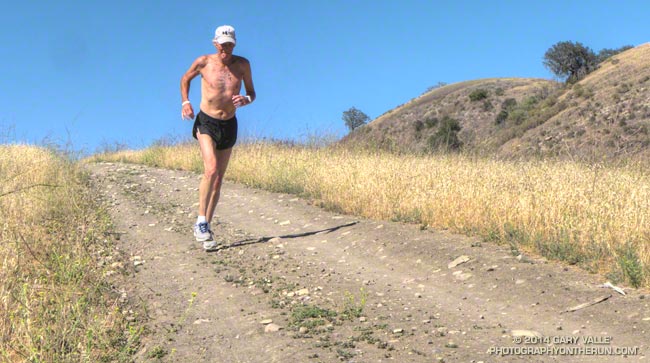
x=188 y=112
x=239 y=100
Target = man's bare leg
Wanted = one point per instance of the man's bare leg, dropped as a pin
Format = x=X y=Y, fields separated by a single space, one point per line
x=210 y=171
x=223 y=156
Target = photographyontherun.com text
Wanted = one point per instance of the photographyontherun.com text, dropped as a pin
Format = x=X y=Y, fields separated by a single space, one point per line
x=562 y=345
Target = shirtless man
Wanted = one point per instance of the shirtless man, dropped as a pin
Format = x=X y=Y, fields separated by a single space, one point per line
x=215 y=126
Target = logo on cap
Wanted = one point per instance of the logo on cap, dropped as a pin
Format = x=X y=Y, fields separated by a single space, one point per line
x=225 y=34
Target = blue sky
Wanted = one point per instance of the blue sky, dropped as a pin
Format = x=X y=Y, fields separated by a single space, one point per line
x=92 y=73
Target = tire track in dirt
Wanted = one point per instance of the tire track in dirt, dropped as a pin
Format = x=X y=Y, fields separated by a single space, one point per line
x=389 y=284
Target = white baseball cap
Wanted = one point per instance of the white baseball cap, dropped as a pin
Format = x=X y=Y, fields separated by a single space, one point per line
x=225 y=34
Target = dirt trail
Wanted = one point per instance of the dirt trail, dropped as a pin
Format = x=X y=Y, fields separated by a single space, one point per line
x=394 y=295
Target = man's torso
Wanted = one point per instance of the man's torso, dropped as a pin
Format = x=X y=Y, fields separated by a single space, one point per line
x=219 y=82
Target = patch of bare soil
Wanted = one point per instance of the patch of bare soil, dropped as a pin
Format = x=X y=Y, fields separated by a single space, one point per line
x=340 y=288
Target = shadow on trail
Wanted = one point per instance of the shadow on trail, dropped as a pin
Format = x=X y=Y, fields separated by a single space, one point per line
x=286 y=236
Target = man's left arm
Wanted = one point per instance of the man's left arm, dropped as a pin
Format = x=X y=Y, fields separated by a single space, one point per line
x=240 y=100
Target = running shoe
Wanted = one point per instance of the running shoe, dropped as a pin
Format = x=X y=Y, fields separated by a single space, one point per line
x=202 y=232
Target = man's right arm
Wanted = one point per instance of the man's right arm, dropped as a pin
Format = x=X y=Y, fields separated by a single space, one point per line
x=195 y=69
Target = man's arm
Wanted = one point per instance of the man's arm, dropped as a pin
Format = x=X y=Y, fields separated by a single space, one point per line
x=240 y=100
x=248 y=81
x=195 y=69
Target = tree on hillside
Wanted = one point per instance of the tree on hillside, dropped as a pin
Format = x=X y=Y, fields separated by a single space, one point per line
x=606 y=53
x=570 y=60
x=435 y=86
x=354 y=118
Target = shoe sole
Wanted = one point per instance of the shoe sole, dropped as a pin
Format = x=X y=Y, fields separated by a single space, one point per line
x=212 y=247
x=204 y=239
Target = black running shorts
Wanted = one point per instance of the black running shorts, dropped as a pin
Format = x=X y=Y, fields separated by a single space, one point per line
x=223 y=132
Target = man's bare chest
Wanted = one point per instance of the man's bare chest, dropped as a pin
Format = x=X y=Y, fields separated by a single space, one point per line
x=222 y=77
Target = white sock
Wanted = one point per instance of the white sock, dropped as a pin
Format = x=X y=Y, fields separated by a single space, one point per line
x=200 y=219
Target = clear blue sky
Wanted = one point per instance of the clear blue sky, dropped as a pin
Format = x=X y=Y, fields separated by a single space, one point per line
x=90 y=72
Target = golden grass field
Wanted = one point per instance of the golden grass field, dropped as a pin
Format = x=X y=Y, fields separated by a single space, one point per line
x=55 y=305
x=595 y=216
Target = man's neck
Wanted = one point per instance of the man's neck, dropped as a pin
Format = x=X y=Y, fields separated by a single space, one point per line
x=225 y=62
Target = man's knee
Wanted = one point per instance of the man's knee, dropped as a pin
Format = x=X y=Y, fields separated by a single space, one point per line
x=211 y=172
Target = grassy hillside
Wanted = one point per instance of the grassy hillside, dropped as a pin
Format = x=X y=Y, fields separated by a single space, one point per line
x=606 y=115
x=474 y=104
x=56 y=305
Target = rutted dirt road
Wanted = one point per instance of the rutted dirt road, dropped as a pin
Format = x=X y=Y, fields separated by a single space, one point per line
x=372 y=291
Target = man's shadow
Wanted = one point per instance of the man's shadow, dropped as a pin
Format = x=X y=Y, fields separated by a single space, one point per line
x=251 y=241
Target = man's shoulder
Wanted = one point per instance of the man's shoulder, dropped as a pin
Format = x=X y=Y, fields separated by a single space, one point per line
x=203 y=59
x=240 y=59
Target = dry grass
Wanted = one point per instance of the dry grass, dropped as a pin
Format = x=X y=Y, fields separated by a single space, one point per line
x=592 y=215
x=55 y=305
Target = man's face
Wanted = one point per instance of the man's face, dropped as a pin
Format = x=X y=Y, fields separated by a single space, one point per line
x=225 y=49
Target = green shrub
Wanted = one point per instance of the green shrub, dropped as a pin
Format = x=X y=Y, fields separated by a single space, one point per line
x=508 y=104
x=624 y=88
x=446 y=137
x=517 y=116
x=578 y=90
x=487 y=106
x=310 y=315
x=431 y=122
x=501 y=117
x=530 y=102
x=478 y=94
x=631 y=267
x=419 y=125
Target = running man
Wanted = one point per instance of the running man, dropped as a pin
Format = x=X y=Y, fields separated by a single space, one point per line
x=215 y=126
